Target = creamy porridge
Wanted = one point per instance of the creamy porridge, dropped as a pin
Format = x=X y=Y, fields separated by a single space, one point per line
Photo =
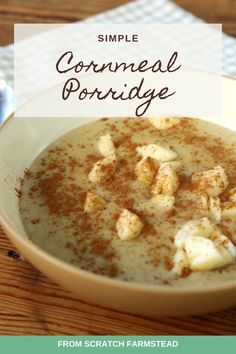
x=136 y=199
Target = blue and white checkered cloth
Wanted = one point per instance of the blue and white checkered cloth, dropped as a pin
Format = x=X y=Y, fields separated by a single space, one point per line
x=139 y=11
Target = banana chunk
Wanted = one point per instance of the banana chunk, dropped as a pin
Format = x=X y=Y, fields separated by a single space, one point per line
x=215 y=209
x=166 y=181
x=228 y=210
x=129 y=225
x=213 y=182
x=203 y=254
x=180 y=261
x=164 y=123
x=102 y=170
x=93 y=202
x=232 y=195
x=157 y=152
x=163 y=202
x=106 y=146
x=204 y=246
x=145 y=170
x=202 y=227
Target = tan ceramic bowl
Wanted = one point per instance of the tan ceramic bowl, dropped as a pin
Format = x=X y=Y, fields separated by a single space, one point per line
x=21 y=140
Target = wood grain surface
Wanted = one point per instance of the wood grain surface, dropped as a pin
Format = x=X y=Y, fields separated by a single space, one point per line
x=32 y=304
x=29 y=302
x=213 y=11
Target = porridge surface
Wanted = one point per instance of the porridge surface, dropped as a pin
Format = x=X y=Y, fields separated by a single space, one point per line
x=55 y=186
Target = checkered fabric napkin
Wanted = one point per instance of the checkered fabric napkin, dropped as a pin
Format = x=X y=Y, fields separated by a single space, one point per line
x=139 y=11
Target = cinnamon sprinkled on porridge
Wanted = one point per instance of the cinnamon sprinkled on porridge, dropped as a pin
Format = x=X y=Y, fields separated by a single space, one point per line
x=75 y=197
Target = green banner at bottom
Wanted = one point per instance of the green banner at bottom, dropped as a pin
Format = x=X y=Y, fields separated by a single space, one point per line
x=117 y=344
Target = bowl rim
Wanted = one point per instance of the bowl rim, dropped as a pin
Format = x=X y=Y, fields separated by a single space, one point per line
x=102 y=279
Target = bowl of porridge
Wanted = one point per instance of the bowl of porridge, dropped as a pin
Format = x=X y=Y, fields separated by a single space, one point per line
x=133 y=214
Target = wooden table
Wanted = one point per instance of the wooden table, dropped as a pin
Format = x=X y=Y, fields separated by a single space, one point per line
x=29 y=302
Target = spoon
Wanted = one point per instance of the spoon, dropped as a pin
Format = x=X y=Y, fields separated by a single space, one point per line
x=6 y=100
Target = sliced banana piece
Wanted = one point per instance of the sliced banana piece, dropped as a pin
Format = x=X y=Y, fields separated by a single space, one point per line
x=129 y=225
x=158 y=152
x=213 y=182
x=163 y=202
x=102 y=170
x=215 y=209
x=205 y=247
x=202 y=227
x=106 y=146
x=93 y=202
x=164 y=123
x=145 y=170
x=166 y=181
x=203 y=254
